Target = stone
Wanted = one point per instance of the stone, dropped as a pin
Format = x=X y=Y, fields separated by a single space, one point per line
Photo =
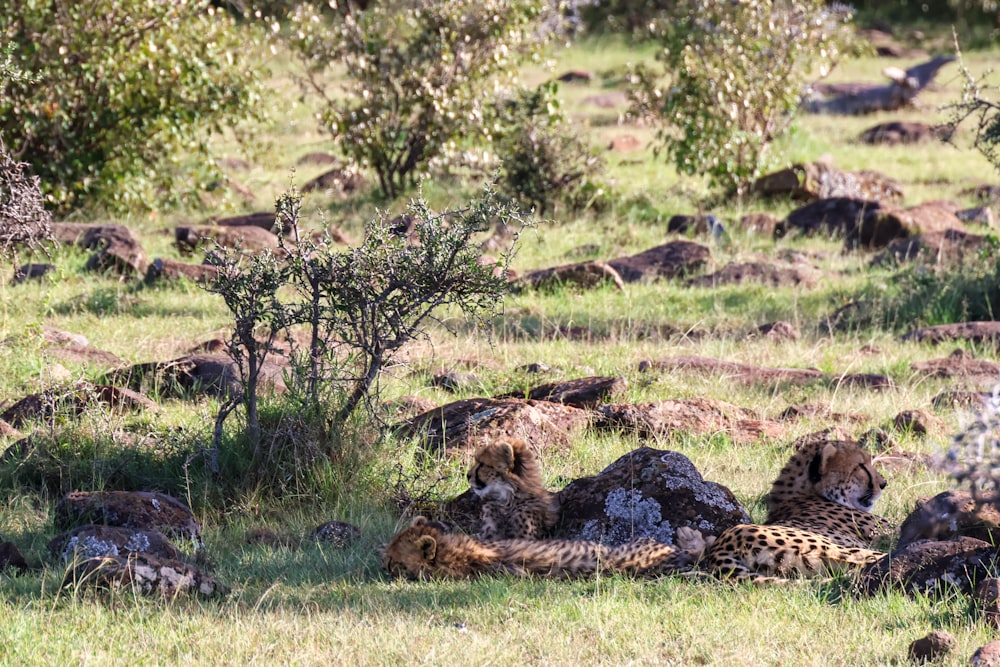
x=670 y=260
x=930 y=567
x=767 y=273
x=764 y=375
x=778 y=332
x=171 y=269
x=338 y=534
x=336 y=181
x=189 y=238
x=131 y=509
x=455 y=381
x=625 y=143
x=931 y=648
x=877 y=229
x=142 y=573
x=949 y=515
x=32 y=271
x=582 y=275
x=200 y=374
x=952 y=247
x=116 y=250
x=974 y=332
x=980 y=215
x=576 y=76
x=764 y=224
x=468 y=424
x=897 y=132
x=97 y=541
x=833 y=216
x=917 y=422
x=585 y=392
x=986 y=599
x=973 y=400
x=987 y=655
x=646 y=493
x=698 y=416
x=700 y=225
x=74 y=348
x=821 y=180
x=11 y=558
x=264 y=219
x=74 y=398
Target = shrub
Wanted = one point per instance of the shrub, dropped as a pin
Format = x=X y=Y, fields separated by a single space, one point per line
x=120 y=87
x=982 y=110
x=420 y=75
x=543 y=162
x=736 y=74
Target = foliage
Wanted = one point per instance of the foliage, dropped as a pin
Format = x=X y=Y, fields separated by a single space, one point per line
x=359 y=307
x=120 y=88
x=629 y=16
x=543 y=161
x=736 y=74
x=420 y=75
x=983 y=111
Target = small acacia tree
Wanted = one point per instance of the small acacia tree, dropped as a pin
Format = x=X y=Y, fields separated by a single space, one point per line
x=982 y=109
x=731 y=79
x=420 y=73
x=118 y=89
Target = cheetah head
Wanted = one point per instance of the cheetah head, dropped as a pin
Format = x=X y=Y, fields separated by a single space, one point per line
x=496 y=471
x=842 y=472
x=413 y=550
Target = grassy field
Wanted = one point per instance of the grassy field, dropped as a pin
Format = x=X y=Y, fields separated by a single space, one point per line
x=312 y=604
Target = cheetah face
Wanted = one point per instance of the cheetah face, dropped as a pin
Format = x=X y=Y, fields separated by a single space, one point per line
x=488 y=485
x=411 y=552
x=848 y=478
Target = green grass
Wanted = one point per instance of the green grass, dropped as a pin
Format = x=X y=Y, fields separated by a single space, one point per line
x=316 y=605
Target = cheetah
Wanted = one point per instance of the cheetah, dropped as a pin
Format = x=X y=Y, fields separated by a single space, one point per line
x=425 y=550
x=514 y=501
x=818 y=519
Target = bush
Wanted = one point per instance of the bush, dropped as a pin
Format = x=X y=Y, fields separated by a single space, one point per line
x=736 y=75
x=120 y=87
x=421 y=74
x=543 y=162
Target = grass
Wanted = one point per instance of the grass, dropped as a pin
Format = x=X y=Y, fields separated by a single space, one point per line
x=311 y=604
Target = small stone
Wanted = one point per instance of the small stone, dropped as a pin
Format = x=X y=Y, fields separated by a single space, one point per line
x=987 y=655
x=987 y=600
x=933 y=647
x=337 y=533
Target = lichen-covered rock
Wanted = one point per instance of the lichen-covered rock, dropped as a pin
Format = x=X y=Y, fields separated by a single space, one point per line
x=73 y=398
x=142 y=573
x=929 y=567
x=646 y=493
x=949 y=515
x=336 y=533
x=131 y=509
x=96 y=541
x=209 y=374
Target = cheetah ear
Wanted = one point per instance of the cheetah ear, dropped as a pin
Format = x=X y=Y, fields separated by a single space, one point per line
x=427 y=546
x=419 y=521
x=818 y=465
x=507 y=451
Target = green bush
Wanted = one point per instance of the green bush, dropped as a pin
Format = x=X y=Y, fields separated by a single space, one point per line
x=543 y=162
x=421 y=74
x=120 y=88
x=736 y=72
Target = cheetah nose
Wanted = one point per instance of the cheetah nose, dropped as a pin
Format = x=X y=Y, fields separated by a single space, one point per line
x=882 y=484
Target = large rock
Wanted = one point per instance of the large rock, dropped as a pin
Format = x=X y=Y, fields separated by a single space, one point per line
x=767 y=273
x=171 y=269
x=97 y=541
x=646 y=493
x=585 y=392
x=960 y=364
x=11 y=558
x=898 y=132
x=74 y=398
x=336 y=181
x=952 y=247
x=131 y=509
x=929 y=567
x=189 y=238
x=877 y=229
x=677 y=258
x=468 y=424
x=949 y=515
x=820 y=180
x=142 y=573
x=974 y=332
x=583 y=275
x=833 y=216
x=115 y=249
x=698 y=416
x=209 y=374
x=765 y=375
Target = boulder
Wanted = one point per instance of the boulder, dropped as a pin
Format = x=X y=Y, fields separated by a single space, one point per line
x=701 y=225
x=582 y=275
x=74 y=398
x=737 y=273
x=142 y=573
x=986 y=599
x=11 y=558
x=764 y=375
x=698 y=416
x=646 y=493
x=97 y=541
x=931 y=648
x=115 y=250
x=820 y=180
x=677 y=258
x=188 y=238
x=952 y=247
x=835 y=217
x=917 y=422
x=876 y=229
x=898 y=132
x=208 y=374
x=32 y=271
x=931 y=567
x=949 y=515
x=264 y=219
x=974 y=332
x=585 y=392
x=987 y=655
x=468 y=424
x=764 y=224
x=970 y=400
x=143 y=510
x=336 y=181
x=171 y=269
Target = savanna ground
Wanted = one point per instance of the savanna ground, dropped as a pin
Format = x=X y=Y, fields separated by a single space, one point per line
x=315 y=604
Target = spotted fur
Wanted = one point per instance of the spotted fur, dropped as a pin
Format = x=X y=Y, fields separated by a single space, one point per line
x=425 y=550
x=514 y=501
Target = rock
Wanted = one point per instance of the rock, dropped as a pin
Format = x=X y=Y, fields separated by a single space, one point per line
x=820 y=411
x=698 y=416
x=406 y=407
x=338 y=534
x=625 y=143
x=471 y=423
x=576 y=76
x=897 y=132
x=266 y=220
x=583 y=275
x=949 y=515
x=980 y=215
x=646 y=493
x=74 y=348
x=975 y=332
x=188 y=238
x=11 y=558
x=778 y=332
x=931 y=567
x=319 y=159
x=74 y=398
x=764 y=224
x=821 y=180
x=931 y=648
x=669 y=260
x=952 y=247
x=337 y=181
x=208 y=374
x=766 y=273
x=97 y=541
x=961 y=399
x=171 y=269
x=702 y=225
x=33 y=271
x=865 y=98
x=763 y=375
x=142 y=573
x=835 y=217
x=585 y=392
x=877 y=229
x=143 y=510
x=986 y=599
x=917 y=422
x=115 y=250
x=8 y=432
x=987 y=655
x=455 y=381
